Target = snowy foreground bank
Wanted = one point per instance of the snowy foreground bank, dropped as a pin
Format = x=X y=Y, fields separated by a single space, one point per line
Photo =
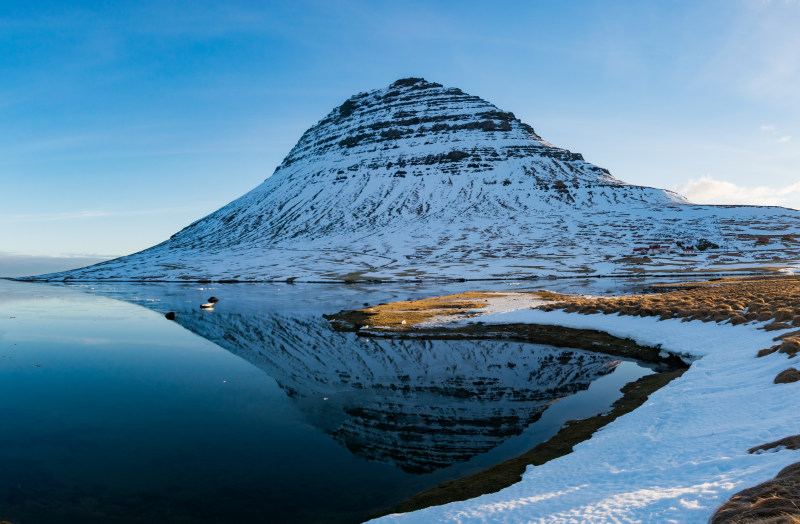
x=677 y=457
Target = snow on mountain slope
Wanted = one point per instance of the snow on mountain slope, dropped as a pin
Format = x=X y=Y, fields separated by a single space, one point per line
x=418 y=180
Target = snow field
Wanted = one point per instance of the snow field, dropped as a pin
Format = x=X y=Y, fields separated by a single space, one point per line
x=677 y=457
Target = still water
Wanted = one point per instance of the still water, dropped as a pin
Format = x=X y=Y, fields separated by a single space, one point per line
x=257 y=411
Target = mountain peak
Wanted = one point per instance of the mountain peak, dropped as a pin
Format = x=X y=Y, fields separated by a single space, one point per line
x=413 y=81
x=413 y=115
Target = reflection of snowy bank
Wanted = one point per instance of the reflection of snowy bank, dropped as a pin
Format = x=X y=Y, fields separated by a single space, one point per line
x=420 y=404
x=677 y=457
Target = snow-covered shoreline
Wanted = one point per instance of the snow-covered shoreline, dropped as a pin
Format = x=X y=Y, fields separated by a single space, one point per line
x=677 y=457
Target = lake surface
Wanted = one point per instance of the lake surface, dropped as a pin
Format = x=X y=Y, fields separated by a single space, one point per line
x=257 y=411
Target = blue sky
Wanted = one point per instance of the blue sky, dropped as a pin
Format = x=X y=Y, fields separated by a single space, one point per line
x=120 y=123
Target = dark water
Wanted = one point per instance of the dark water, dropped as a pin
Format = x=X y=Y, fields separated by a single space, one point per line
x=257 y=411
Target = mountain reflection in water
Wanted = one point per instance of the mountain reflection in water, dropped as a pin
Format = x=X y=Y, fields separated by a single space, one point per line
x=419 y=404
x=257 y=410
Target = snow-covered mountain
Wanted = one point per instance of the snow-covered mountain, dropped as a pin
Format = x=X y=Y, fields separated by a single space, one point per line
x=418 y=180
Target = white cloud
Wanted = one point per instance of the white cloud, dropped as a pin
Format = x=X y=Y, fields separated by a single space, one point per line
x=773 y=131
x=708 y=190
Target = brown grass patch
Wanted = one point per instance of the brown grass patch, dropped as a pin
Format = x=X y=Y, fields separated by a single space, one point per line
x=735 y=299
x=789 y=345
x=776 y=501
x=405 y=314
x=787 y=376
x=767 y=351
x=792 y=442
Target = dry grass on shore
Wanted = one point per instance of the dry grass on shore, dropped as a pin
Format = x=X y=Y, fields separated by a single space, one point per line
x=399 y=316
x=738 y=300
x=772 y=502
x=735 y=300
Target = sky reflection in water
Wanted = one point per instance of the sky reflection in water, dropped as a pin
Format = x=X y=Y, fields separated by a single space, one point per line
x=256 y=411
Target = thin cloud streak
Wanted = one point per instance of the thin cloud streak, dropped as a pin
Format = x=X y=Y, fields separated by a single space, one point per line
x=21 y=265
x=771 y=130
x=91 y=214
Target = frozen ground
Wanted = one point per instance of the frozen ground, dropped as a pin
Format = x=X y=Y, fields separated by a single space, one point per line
x=676 y=458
